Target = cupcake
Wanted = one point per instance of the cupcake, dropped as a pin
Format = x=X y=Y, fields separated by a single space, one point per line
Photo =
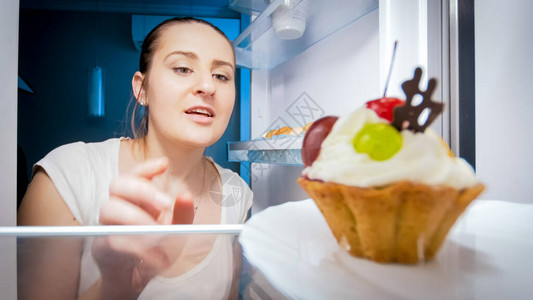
x=388 y=186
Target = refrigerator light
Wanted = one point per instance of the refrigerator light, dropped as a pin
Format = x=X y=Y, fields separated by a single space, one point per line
x=96 y=103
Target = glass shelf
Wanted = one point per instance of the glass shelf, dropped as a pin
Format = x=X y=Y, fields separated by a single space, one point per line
x=35 y=253
x=249 y=7
x=272 y=256
x=282 y=150
x=259 y=47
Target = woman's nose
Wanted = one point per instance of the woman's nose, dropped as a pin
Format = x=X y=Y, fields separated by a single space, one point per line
x=205 y=86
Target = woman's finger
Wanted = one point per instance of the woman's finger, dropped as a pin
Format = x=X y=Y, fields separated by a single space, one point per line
x=183 y=210
x=140 y=192
x=150 y=168
x=121 y=212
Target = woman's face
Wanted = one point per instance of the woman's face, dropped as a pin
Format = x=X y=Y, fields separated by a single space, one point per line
x=191 y=85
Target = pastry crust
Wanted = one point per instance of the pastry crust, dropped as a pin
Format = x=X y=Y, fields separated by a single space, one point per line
x=402 y=222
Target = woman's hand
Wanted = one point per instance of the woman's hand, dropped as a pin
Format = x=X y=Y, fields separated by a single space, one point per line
x=134 y=199
x=127 y=263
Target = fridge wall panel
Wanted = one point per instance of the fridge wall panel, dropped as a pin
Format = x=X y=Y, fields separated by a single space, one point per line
x=334 y=76
x=274 y=185
x=504 y=144
x=9 y=23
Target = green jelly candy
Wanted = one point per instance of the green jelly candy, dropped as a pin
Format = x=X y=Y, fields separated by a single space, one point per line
x=380 y=141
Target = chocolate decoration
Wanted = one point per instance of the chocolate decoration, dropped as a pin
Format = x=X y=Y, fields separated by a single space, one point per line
x=406 y=116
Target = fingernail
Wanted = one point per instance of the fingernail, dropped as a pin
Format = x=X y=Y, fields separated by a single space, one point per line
x=163 y=199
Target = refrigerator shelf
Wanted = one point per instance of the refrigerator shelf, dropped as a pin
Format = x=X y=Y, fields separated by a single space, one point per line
x=282 y=150
x=259 y=47
x=249 y=7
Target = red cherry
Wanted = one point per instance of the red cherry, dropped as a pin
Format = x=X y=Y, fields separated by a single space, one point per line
x=384 y=107
x=314 y=137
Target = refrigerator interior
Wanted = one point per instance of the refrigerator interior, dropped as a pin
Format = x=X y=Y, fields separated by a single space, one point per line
x=338 y=74
x=334 y=76
x=488 y=39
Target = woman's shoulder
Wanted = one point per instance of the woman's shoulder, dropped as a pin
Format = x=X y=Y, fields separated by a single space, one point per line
x=80 y=156
x=76 y=147
x=81 y=173
x=81 y=150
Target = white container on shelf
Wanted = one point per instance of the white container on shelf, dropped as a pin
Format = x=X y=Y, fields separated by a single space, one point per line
x=289 y=19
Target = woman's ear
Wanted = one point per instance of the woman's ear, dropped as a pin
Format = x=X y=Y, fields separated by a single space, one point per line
x=137 y=86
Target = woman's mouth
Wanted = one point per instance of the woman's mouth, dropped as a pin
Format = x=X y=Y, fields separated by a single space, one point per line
x=202 y=115
x=200 y=111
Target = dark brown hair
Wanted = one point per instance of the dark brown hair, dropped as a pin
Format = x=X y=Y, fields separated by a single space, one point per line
x=149 y=47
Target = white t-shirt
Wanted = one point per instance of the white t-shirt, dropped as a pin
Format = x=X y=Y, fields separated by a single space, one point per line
x=81 y=172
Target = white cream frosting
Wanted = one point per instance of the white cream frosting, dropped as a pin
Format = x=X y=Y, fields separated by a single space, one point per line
x=423 y=158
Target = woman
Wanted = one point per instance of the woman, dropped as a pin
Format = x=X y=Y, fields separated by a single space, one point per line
x=186 y=85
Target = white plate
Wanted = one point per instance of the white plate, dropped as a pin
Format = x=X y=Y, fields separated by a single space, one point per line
x=488 y=255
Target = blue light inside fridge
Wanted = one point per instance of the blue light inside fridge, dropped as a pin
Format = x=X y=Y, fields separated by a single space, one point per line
x=96 y=103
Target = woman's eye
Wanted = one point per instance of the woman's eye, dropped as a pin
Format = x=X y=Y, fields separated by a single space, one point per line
x=182 y=70
x=220 y=77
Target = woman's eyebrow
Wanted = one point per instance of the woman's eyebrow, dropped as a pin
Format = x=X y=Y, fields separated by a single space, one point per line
x=192 y=55
x=184 y=53
x=218 y=63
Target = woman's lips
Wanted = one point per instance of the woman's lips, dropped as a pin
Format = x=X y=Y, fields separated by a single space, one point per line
x=200 y=114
